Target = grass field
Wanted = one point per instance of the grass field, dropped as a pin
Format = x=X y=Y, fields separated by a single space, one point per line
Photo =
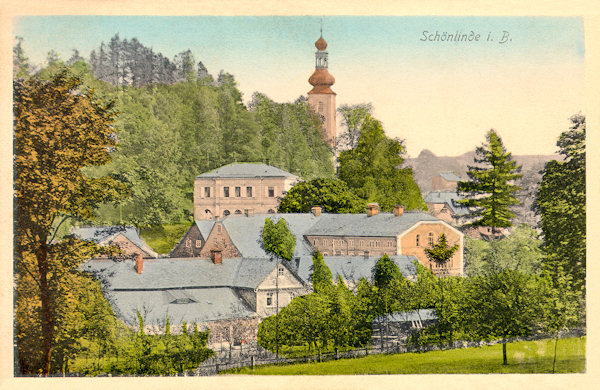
x=523 y=357
x=163 y=238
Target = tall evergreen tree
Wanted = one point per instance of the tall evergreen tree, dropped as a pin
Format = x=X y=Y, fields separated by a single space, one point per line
x=321 y=277
x=562 y=202
x=490 y=189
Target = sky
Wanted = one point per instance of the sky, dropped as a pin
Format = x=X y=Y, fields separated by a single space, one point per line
x=435 y=94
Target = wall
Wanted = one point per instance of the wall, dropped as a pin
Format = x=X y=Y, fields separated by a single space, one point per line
x=353 y=246
x=219 y=239
x=259 y=203
x=408 y=246
x=289 y=288
x=188 y=246
x=328 y=112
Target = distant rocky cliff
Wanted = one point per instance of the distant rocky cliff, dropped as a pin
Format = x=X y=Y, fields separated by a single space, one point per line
x=427 y=165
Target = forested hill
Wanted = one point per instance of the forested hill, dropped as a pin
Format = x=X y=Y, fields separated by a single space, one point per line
x=175 y=128
x=128 y=62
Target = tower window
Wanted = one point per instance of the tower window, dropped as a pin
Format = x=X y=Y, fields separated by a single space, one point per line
x=320 y=105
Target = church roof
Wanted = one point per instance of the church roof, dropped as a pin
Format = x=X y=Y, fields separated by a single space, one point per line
x=239 y=170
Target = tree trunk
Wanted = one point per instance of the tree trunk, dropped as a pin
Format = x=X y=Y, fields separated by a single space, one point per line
x=504 y=359
x=47 y=320
x=554 y=361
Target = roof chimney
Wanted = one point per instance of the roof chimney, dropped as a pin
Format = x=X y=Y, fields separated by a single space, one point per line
x=316 y=210
x=139 y=263
x=216 y=256
x=398 y=210
x=372 y=209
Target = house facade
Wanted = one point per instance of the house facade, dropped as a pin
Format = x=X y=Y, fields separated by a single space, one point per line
x=240 y=189
x=124 y=237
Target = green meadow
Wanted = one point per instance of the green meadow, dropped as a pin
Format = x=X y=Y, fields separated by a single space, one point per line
x=524 y=357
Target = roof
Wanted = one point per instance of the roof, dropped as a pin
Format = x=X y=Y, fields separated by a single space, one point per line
x=406 y=316
x=205 y=226
x=450 y=198
x=245 y=232
x=353 y=225
x=354 y=268
x=236 y=170
x=178 y=273
x=104 y=234
x=209 y=304
x=450 y=176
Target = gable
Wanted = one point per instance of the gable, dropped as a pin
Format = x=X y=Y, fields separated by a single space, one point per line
x=190 y=245
x=285 y=280
x=219 y=239
x=128 y=247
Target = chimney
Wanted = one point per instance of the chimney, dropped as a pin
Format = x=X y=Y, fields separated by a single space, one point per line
x=216 y=256
x=139 y=263
x=316 y=210
x=398 y=210
x=372 y=209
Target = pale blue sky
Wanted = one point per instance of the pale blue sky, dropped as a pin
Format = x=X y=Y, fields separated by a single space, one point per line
x=442 y=96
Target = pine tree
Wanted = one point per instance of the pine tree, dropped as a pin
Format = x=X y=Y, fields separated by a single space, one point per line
x=490 y=190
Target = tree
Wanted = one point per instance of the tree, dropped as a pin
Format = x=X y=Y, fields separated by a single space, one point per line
x=353 y=117
x=490 y=189
x=321 y=277
x=441 y=253
x=333 y=195
x=278 y=239
x=372 y=170
x=58 y=132
x=387 y=283
x=21 y=66
x=562 y=203
x=520 y=251
x=501 y=305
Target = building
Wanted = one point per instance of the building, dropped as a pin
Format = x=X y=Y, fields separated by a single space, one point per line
x=369 y=235
x=445 y=206
x=445 y=181
x=321 y=98
x=240 y=189
x=125 y=237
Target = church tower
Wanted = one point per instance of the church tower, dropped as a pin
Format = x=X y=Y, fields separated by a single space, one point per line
x=321 y=98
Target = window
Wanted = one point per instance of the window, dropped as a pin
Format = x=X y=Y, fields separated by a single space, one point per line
x=280 y=271
x=351 y=243
x=188 y=243
x=226 y=212
x=219 y=229
x=362 y=243
x=430 y=239
x=269 y=299
x=320 y=109
x=238 y=192
x=315 y=241
x=238 y=212
x=226 y=192
x=271 y=211
x=207 y=192
x=417 y=239
x=198 y=243
x=271 y=192
x=390 y=244
x=249 y=192
x=338 y=253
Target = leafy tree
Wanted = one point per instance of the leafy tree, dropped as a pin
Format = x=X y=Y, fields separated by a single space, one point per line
x=520 y=251
x=562 y=203
x=490 y=189
x=387 y=282
x=58 y=131
x=561 y=304
x=501 y=305
x=333 y=195
x=441 y=253
x=372 y=170
x=278 y=239
x=321 y=277
x=353 y=117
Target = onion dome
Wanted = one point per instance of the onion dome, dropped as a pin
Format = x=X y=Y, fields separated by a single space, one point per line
x=321 y=80
x=320 y=44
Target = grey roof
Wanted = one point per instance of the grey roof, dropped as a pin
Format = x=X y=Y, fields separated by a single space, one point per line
x=407 y=316
x=176 y=273
x=246 y=170
x=208 y=304
x=380 y=225
x=245 y=232
x=353 y=268
x=450 y=176
x=450 y=198
x=205 y=226
x=104 y=234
